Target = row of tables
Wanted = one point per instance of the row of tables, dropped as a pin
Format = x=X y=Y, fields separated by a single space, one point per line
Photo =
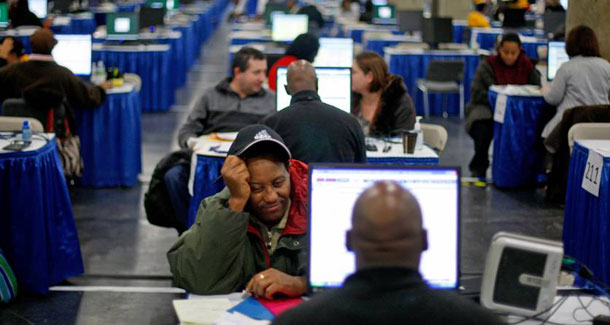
x=37 y=229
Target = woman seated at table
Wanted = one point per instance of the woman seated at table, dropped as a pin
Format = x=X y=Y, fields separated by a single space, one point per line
x=304 y=47
x=380 y=100
x=582 y=81
x=509 y=66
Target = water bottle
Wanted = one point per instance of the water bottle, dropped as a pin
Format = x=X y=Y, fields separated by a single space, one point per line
x=26 y=131
x=102 y=71
x=419 y=144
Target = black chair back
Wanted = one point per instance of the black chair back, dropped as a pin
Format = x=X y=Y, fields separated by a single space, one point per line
x=445 y=70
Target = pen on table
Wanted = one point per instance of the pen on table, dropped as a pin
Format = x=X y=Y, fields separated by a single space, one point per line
x=245 y=294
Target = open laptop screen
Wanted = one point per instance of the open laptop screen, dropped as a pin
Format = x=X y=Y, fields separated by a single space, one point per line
x=333 y=190
x=334 y=87
x=557 y=56
x=74 y=53
x=122 y=26
x=285 y=28
x=335 y=52
x=3 y=14
x=38 y=7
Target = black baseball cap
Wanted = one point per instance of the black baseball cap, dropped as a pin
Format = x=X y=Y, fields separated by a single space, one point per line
x=256 y=135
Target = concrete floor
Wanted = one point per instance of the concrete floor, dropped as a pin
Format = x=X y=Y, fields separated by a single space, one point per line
x=121 y=249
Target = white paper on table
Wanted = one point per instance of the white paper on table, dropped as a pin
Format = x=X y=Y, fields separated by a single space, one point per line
x=500 y=109
x=201 y=311
x=593 y=172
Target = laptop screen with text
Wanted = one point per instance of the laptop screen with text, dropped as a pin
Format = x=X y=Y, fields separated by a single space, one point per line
x=334 y=88
x=74 y=53
x=333 y=190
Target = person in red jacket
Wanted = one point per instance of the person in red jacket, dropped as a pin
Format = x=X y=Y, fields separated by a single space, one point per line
x=251 y=235
x=304 y=47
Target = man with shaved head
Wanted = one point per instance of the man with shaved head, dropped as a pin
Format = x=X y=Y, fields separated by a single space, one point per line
x=315 y=131
x=387 y=239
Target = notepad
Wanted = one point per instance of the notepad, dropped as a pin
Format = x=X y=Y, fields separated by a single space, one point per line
x=201 y=310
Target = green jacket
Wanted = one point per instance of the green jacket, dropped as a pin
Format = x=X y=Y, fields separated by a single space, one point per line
x=221 y=252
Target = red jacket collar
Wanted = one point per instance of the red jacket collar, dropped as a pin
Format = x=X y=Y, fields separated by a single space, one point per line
x=297 y=218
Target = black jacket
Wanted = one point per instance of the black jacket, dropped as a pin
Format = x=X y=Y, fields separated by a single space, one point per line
x=387 y=296
x=318 y=132
x=397 y=110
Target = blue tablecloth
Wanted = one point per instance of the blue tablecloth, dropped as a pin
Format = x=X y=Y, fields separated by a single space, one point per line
x=517 y=155
x=251 y=7
x=377 y=45
x=586 y=226
x=191 y=44
x=77 y=26
x=153 y=67
x=413 y=66
x=178 y=61
x=37 y=227
x=111 y=141
x=458 y=32
x=207 y=170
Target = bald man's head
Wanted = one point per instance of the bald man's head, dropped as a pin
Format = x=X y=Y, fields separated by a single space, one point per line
x=301 y=76
x=387 y=228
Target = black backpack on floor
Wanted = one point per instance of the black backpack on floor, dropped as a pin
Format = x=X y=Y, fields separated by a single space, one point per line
x=159 y=209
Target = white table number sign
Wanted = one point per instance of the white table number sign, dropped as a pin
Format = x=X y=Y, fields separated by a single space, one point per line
x=500 y=109
x=593 y=173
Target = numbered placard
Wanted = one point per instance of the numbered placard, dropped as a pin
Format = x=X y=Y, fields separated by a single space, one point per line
x=500 y=109
x=593 y=173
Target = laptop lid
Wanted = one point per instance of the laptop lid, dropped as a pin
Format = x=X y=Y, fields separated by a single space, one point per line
x=3 y=14
x=333 y=190
x=334 y=87
x=335 y=52
x=556 y=57
x=74 y=53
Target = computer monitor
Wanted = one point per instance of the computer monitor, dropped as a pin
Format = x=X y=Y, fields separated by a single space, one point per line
x=410 y=20
x=38 y=7
x=437 y=30
x=167 y=4
x=62 y=6
x=3 y=14
x=556 y=57
x=74 y=53
x=285 y=28
x=122 y=26
x=151 y=16
x=335 y=52
x=333 y=190
x=334 y=88
x=384 y=14
x=270 y=8
x=552 y=21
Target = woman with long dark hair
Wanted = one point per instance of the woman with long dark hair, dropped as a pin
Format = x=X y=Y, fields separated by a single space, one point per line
x=380 y=101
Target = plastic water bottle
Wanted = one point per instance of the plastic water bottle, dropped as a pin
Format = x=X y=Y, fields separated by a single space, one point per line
x=101 y=71
x=419 y=143
x=94 y=73
x=26 y=131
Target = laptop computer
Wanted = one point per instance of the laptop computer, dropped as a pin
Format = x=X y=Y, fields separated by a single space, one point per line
x=333 y=190
x=334 y=87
